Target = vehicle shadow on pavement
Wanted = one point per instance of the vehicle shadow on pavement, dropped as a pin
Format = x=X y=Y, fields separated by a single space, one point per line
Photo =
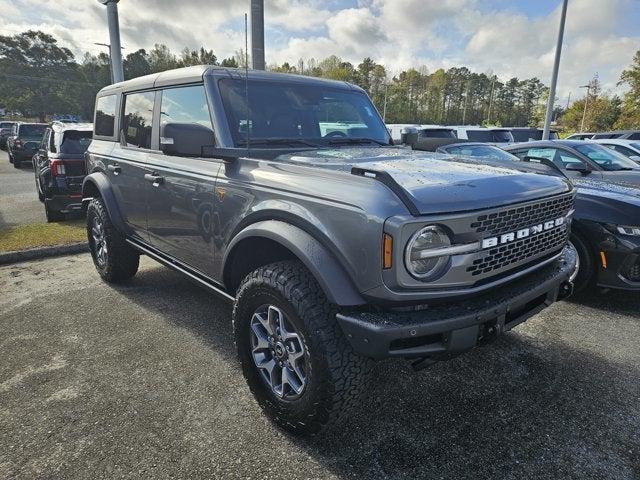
x=619 y=301
x=529 y=405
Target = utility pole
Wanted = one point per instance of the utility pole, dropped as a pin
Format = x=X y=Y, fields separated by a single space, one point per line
x=257 y=34
x=586 y=100
x=117 y=72
x=464 y=108
x=493 y=84
x=554 y=75
x=384 y=108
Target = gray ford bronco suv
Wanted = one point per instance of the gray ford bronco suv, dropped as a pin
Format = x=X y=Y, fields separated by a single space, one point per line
x=285 y=195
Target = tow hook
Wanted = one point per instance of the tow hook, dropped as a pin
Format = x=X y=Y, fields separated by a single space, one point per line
x=566 y=289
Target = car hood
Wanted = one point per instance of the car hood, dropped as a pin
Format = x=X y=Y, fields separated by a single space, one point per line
x=430 y=183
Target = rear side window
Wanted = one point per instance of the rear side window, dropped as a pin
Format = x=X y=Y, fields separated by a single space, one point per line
x=137 y=121
x=185 y=105
x=75 y=142
x=105 y=115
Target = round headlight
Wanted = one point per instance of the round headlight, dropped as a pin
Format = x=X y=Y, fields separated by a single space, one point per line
x=420 y=263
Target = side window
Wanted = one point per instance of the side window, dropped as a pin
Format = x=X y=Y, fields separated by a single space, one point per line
x=52 y=143
x=105 y=115
x=45 y=139
x=623 y=150
x=185 y=105
x=137 y=120
x=634 y=136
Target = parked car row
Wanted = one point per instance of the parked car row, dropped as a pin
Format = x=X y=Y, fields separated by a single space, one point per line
x=409 y=133
x=56 y=154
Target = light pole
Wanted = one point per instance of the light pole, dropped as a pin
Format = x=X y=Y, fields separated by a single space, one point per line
x=109 y=47
x=257 y=34
x=554 y=76
x=117 y=72
x=584 y=112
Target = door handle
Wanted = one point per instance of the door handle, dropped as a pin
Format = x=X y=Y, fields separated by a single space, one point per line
x=114 y=168
x=156 y=180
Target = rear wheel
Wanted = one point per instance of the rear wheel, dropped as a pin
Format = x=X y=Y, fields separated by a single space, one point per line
x=585 y=278
x=52 y=215
x=295 y=358
x=115 y=260
x=16 y=163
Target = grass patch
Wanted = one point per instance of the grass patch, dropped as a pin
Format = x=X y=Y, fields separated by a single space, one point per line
x=23 y=237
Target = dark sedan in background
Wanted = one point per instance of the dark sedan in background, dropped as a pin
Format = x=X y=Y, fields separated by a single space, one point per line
x=606 y=225
x=5 y=131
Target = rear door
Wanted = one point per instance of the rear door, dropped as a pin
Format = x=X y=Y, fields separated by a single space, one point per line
x=180 y=190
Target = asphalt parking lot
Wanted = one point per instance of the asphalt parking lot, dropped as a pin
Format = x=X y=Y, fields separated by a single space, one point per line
x=19 y=203
x=141 y=381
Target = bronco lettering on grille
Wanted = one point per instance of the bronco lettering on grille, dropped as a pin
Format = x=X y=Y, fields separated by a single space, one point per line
x=522 y=233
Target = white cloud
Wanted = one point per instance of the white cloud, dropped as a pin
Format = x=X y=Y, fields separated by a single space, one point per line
x=398 y=33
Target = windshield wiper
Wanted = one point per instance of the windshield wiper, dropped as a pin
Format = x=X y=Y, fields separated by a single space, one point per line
x=278 y=141
x=355 y=141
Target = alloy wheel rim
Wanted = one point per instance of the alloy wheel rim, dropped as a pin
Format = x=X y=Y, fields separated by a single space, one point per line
x=99 y=241
x=278 y=352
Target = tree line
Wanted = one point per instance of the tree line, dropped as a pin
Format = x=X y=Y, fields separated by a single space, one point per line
x=39 y=77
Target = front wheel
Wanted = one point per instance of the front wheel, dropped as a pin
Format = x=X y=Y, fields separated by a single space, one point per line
x=16 y=163
x=585 y=278
x=114 y=259
x=295 y=357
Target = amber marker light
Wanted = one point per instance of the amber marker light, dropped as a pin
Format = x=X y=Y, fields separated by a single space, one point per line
x=603 y=258
x=387 y=251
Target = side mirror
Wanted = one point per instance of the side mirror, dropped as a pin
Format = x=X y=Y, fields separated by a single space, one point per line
x=580 y=167
x=185 y=139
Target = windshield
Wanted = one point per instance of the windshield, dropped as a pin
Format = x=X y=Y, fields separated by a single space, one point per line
x=75 y=142
x=482 y=151
x=32 y=130
x=308 y=115
x=436 y=133
x=606 y=158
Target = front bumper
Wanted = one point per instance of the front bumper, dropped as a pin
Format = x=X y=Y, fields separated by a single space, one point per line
x=442 y=331
x=622 y=257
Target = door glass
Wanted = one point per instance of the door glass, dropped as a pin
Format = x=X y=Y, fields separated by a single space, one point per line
x=185 y=105
x=137 y=121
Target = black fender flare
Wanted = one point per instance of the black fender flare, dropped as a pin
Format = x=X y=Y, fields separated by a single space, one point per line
x=100 y=181
x=323 y=265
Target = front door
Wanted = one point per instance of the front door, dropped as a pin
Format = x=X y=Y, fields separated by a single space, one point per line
x=180 y=190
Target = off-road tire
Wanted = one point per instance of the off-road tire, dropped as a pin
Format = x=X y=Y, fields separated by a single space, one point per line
x=586 y=278
x=122 y=260
x=16 y=163
x=10 y=156
x=52 y=215
x=336 y=375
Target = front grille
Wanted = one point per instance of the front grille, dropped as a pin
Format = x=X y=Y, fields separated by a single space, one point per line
x=500 y=257
x=525 y=216
x=633 y=273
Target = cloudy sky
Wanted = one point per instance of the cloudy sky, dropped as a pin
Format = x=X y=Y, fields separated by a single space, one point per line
x=509 y=38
